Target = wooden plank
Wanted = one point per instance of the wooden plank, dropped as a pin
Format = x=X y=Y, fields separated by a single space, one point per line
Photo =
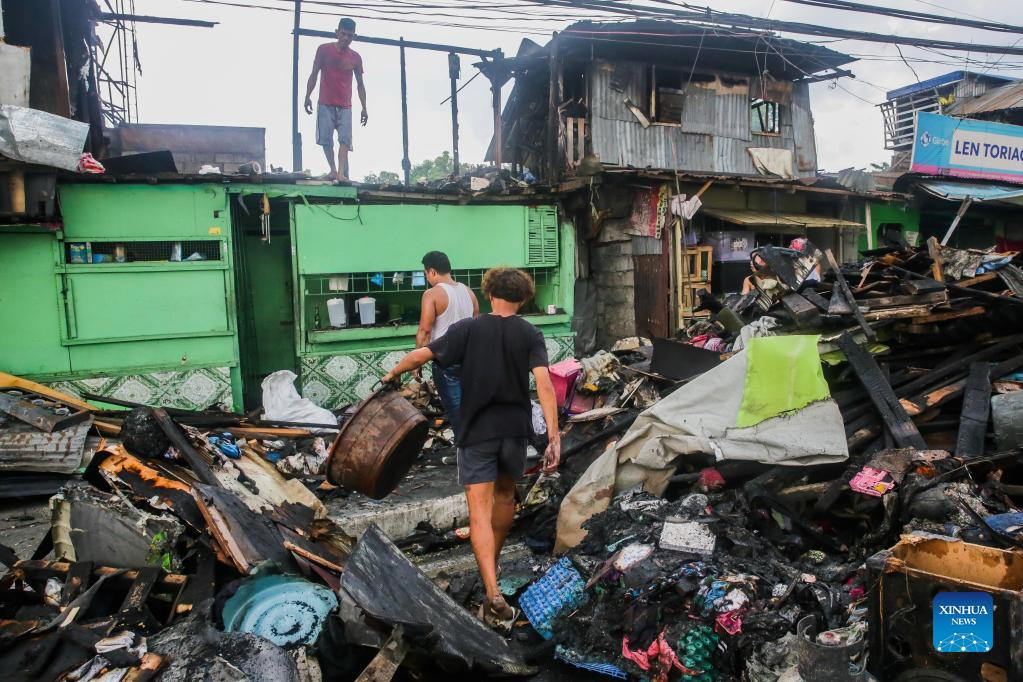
x=934 y=251
x=815 y=298
x=141 y=587
x=893 y=301
x=905 y=312
x=894 y=416
x=184 y=447
x=387 y=661
x=201 y=586
x=976 y=411
x=314 y=558
x=802 y=311
x=843 y=289
x=951 y=315
x=979 y=279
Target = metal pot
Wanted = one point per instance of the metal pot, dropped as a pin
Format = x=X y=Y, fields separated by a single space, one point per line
x=378 y=444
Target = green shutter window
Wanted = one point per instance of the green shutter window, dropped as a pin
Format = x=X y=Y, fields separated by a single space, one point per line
x=542 y=236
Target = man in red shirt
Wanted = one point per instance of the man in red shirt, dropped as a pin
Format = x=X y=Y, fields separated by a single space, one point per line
x=338 y=62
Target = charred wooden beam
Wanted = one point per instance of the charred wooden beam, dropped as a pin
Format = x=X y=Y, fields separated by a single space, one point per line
x=894 y=416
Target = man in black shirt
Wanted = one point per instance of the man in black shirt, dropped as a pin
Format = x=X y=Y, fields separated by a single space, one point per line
x=497 y=351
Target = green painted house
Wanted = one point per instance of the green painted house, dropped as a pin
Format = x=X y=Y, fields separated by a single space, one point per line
x=188 y=294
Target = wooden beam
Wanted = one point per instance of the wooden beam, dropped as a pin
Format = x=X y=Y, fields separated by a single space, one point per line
x=802 y=311
x=181 y=443
x=951 y=315
x=976 y=411
x=845 y=292
x=894 y=416
x=892 y=301
x=979 y=279
x=934 y=250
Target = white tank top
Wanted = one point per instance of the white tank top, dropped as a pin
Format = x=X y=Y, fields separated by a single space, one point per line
x=459 y=308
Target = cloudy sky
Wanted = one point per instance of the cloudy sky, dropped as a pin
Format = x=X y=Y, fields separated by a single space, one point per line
x=239 y=73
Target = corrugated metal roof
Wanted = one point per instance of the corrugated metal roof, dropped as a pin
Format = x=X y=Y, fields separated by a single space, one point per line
x=1001 y=98
x=764 y=219
x=938 y=81
x=958 y=191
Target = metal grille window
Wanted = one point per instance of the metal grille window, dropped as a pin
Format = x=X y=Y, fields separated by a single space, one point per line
x=142 y=251
x=765 y=117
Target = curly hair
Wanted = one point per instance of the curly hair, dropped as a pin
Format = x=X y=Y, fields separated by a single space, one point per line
x=509 y=284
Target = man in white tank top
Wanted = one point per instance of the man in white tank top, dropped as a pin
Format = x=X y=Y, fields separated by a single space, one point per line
x=444 y=303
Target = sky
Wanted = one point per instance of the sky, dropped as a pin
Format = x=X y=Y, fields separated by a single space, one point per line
x=240 y=72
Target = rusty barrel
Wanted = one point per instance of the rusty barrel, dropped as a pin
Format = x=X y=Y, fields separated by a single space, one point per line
x=377 y=445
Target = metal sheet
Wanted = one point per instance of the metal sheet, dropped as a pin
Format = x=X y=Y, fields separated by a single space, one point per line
x=958 y=191
x=713 y=137
x=23 y=448
x=35 y=136
x=1006 y=97
x=765 y=219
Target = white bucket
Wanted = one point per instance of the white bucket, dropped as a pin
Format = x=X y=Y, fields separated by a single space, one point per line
x=337 y=313
x=367 y=306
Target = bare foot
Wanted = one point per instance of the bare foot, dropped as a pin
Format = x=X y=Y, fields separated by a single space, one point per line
x=341 y=178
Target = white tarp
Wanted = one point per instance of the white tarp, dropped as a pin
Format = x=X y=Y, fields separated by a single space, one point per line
x=35 y=136
x=771 y=161
x=700 y=417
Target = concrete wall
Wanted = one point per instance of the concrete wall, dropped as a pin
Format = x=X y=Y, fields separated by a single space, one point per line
x=612 y=268
x=193 y=146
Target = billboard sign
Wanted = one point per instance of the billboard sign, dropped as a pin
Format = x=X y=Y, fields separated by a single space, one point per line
x=967 y=148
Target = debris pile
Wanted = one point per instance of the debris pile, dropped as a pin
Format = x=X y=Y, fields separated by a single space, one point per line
x=779 y=494
x=752 y=523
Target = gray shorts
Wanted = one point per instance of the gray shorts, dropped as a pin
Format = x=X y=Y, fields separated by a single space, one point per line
x=329 y=119
x=481 y=463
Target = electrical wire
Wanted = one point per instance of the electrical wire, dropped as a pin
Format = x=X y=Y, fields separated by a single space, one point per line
x=485 y=24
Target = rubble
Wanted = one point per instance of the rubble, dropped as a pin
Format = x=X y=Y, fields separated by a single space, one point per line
x=775 y=494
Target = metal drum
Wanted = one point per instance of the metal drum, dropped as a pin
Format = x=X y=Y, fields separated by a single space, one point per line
x=377 y=445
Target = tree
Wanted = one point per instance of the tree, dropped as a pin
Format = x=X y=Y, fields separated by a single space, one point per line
x=382 y=178
x=425 y=171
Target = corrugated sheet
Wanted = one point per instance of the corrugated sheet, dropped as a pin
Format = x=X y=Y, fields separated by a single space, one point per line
x=958 y=191
x=764 y=219
x=1005 y=97
x=605 y=101
x=713 y=138
x=709 y=111
x=804 y=141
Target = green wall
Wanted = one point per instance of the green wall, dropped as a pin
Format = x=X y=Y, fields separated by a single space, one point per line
x=150 y=324
x=899 y=213
x=30 y=344
x=157 y=330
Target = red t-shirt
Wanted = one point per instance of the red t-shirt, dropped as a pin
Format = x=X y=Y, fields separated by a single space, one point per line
x=336 y=69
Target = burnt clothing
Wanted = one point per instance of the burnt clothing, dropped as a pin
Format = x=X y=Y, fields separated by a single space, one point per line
x=497 y=355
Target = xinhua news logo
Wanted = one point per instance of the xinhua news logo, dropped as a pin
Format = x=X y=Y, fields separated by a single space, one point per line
x=963 y=622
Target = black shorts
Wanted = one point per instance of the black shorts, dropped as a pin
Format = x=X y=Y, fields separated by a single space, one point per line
x=482 y=462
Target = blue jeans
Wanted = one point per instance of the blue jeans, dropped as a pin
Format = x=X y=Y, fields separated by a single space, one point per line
x=449 y=388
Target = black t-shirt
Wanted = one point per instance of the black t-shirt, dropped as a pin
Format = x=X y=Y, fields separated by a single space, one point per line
x=497 y=354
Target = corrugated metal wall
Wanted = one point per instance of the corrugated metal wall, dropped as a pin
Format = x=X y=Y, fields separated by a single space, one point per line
x=714 y=133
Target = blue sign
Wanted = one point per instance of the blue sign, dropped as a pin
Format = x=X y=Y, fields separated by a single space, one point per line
x=967 y=148
x=962 y=622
